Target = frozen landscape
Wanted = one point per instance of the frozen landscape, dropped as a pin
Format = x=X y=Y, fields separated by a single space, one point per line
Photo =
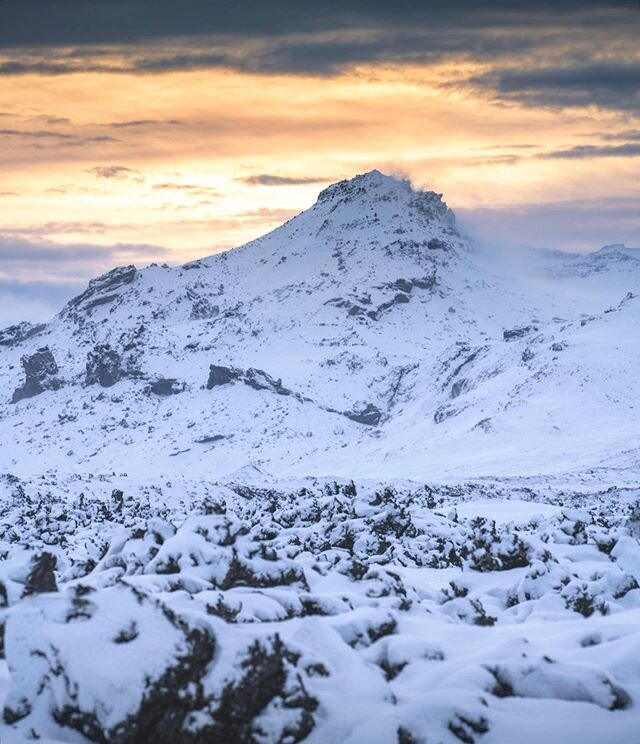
x=359 y=480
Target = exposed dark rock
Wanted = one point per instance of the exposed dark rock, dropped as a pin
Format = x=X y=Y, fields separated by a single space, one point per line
x=260 y=380
x=398 y=299
x=16 y=334
x=202 y=309
x=101 y=290
x=104 y=366
x=484 y=425
x=40 y=370
x=267 y=675
x=514 y=333
x=444 y=412
x=408 y=285
x=369 y=415
x=459 y=387
x=219 y=375
x=210 y=438
x=42 y=577
x=257 y=379
x=166 y=386
x=436 y=244
x=168 y=701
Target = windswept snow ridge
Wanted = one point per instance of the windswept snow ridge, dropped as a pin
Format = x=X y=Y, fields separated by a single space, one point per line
x=355 y=481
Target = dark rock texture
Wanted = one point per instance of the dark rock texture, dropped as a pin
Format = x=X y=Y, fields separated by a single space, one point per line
x=40 y=370
x=515 y=333
x=202 y=309
x=42 y=577
x=104 y=366
x=103 y=289
x=257 y=379
x=16 y=334
x=369 y=415
x=219 y=375
x=260 y=380
x=166 y=386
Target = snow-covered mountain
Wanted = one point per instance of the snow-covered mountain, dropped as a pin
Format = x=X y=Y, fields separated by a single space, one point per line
x=357 y=481
x=364 y=337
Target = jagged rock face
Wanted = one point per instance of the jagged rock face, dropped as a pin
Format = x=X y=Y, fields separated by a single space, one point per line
x=369 y=415
x=104 y=366
x=219 y=375
x=16 y=334
x=254 y=378
x=166 y=386
x=103 y=289
x=41 y=373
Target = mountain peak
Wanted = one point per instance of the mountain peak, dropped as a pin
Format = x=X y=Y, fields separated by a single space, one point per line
x=374 y=188
x=371 y=183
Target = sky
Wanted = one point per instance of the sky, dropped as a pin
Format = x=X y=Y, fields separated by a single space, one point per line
x=134 y=131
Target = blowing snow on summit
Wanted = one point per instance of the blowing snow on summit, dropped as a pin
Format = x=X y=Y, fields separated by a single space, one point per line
x=371 y=477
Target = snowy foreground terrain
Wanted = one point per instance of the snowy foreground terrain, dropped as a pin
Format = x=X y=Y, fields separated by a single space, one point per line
x=356 y=481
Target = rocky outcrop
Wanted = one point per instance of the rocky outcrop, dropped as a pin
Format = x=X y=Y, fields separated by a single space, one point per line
x=514 y=333
x=41 y=373
x=219 y=375
x=260 y=380
x=42 y=576
x=154 y=678
x=103 y=289
x=104 y=366
x=369 y=415
x=16 y=334
x=255 y=378
x=203 y=309
x=166 y=386
x=435 y=244
x=399 y=299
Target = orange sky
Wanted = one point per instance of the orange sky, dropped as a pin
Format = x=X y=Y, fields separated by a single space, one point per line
x=124 y=165
x=186 y=188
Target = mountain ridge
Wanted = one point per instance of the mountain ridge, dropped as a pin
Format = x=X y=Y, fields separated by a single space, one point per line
x=364 y=335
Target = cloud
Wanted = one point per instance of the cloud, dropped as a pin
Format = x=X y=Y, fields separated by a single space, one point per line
x=535 y=54
x=193 y=189
x=64 y=228
x=111 y=171
x=36 y=134
x=139 y=123
x=567 y=225
x=614 y=85
x=292 y=37
x=37 y=276
x=627 y=150
x=627 y=135
x=33 y=301
x=267 y=179
x=49 y=138
x=76 y=22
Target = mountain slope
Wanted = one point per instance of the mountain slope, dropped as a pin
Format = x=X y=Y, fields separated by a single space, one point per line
x=364 y=337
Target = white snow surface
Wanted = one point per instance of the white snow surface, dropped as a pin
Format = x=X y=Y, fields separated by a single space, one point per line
x=348 y=306
x=356 y=481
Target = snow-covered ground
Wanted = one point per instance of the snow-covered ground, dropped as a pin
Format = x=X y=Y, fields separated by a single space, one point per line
x=327 y=611
x=186 y=558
